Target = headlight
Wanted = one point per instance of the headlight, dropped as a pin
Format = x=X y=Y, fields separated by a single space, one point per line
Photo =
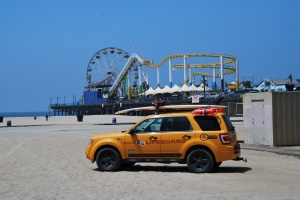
x=90 y=141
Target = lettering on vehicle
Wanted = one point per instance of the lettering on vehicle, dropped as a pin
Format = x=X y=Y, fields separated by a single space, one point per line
x=203 y=137
x=212 y=137
x=131 y=151
x=140 y=142
x=165 y=141
x=143 y=143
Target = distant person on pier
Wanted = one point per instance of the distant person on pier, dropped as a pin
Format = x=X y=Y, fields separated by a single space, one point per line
x=46 y=117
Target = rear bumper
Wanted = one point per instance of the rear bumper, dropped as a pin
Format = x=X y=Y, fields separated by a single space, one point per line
x=237 y=149
x=240 y=158
x=229 y=152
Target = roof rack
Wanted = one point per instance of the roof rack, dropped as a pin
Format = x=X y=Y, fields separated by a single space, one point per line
x=157 y=104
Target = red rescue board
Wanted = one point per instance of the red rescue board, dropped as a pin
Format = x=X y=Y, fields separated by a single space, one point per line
x=208 y=111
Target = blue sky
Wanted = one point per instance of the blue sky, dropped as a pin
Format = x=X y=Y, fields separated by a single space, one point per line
x=45 y=46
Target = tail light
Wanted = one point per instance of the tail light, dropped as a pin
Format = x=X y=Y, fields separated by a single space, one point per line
x=225 y=138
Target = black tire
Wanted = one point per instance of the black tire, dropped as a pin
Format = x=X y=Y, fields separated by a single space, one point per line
x=108 y=159
x=200 y=161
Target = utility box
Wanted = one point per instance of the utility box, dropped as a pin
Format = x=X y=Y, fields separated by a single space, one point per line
x=92 y=97
x=272 y=118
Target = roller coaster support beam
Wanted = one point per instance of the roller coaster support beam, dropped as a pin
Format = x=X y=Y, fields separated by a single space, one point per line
x=184 y=67
x=237 y=83
x=170 y=72
x=204 y=85
x=147 y=75
x=214 y=79
x=190 y=75
x=140 y=79
x=222 y=73
x=158 y=78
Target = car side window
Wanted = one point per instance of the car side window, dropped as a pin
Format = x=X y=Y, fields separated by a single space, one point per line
x=228 y=123
x=149 y=125
x=177 y=124
x=208 y=123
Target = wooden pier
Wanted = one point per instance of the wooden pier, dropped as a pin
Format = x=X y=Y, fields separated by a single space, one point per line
x=234 y=107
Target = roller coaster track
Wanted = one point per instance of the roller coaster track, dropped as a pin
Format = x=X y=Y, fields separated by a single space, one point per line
x=122 y=75
x=143 y=61
x=231 y=59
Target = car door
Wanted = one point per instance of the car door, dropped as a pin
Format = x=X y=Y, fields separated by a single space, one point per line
x=176 y=133
x=143 y=141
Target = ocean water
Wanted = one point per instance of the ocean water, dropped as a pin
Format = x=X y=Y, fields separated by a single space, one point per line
x=25 y=114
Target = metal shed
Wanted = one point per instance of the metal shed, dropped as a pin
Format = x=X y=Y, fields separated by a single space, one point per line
x=272 y=118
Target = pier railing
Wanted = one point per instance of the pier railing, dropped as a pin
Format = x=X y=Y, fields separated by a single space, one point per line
x=110 y=106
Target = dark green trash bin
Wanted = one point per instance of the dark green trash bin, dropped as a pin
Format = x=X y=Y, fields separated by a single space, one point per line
x=79 y=118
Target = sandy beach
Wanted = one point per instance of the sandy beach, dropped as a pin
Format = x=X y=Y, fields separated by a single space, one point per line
x=42 y=159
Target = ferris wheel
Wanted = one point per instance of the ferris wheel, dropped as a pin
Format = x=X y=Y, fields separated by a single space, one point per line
x=105 y=66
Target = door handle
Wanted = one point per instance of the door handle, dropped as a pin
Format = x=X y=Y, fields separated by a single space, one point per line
x=186 y=137
x=152 y=138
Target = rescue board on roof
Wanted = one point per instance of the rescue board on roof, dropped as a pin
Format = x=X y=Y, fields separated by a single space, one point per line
x=168 y=107
x=209 y=111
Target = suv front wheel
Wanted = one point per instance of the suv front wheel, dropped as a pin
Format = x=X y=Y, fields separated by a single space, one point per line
x=108 y=159
x=200 y=161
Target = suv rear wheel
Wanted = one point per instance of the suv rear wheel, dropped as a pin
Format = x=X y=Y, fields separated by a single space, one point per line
x=108 y=159
x=200 y=161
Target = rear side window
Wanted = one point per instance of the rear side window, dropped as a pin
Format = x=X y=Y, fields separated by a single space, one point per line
x=228 y=123
x=177 y=124
x=208 y=123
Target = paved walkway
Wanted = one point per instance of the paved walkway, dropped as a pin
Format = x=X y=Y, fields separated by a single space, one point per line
x=282 y=150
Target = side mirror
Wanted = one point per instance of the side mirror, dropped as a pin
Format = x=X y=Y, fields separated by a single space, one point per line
x=132 y=131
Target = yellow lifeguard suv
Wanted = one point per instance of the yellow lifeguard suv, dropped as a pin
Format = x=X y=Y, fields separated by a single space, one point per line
x=202 y=138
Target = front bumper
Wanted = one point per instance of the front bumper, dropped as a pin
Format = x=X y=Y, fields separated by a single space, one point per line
x=88 y=153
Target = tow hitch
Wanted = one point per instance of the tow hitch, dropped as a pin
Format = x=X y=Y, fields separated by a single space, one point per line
x=241 y=158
